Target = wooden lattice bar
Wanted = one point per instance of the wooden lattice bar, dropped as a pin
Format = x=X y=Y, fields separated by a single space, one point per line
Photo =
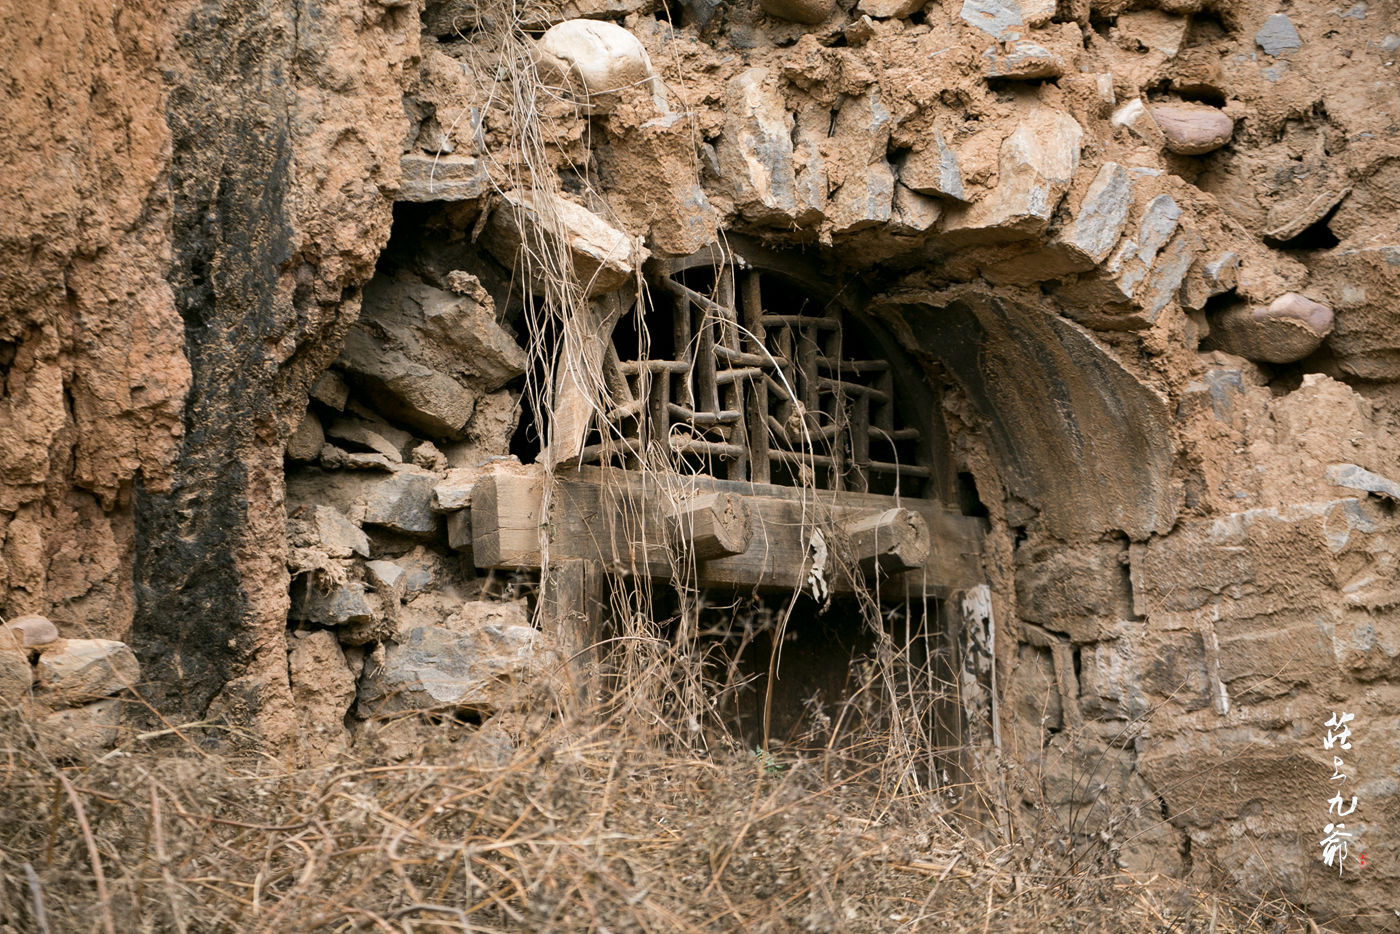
x=751 y=388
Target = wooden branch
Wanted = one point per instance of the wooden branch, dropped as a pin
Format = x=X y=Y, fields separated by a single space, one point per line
x=893 y=541
x=711 y=525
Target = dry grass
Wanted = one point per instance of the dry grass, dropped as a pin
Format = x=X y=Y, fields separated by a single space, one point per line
x=543 y=827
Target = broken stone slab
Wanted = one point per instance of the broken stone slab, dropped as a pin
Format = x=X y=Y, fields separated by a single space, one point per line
x=305 y=444
x=995 y=17
x=1278 y=36
x=33 y=630
x=755 y=151
x=1208 y=277
x=454 y=491
x=1035 y=167
x=402 y=502
x=1135 y=116
x=1102 y=217
x=424 y=178
x=603 y=257
x=1354 y=477
x=859 y=140
x=425 y=352
x=810 y=134
x=482 y=670
x=359 y=617
x=326 y=529
x=809 y=12
x=83 y=730
x=1021 y=60
x=600 y=58
x=1192 y=129
x=1289 y=329
x=387 y=577
x=1287 y=221
x=459 y=530
x=330 y=390
x=933 y=170
x=74 y=671
x=1167 y=273
x=375 y=435
x=913 y=213
x=334 y=458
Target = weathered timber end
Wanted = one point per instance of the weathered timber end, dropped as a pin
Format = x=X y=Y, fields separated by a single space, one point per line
x=624 y=521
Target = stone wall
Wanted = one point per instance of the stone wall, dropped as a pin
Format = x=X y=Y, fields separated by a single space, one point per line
x=1147 y=252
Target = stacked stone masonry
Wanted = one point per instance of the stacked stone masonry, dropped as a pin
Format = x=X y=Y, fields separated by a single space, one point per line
x=1147 y=255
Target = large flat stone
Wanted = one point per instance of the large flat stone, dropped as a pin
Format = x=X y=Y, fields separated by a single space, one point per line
x=83 y=731
x=1102 y=217
x=75 y=671
x=859 y=140
x=602 y=257
x=403 y=502
x=427 y=353
x=482 y=670
x=326 y=529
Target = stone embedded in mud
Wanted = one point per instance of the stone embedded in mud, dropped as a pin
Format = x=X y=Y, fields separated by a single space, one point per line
x=402 y=502
x=33 y=630
x=913 y=213
x=994 y=17
x=1289 y=329
x=1035 y=166
x=484 y=669
x=603 y=257
x=326 y=529
x=1208 y=277
x=601 y=57
x=1365 y=283
x=1138 y=119
x=1278 y=36
x=891 y=9
x=332 y=604
x=442 y=178
x=88 y=729
x=859 y=140
x=1354 y=477
x=306 y=442
x=755 y=152
x=933 y=170
x=1103 y=215
x=322 y=690
x=810 y=12
x=74 y=671
x=1193 y=129
x=1022 y=60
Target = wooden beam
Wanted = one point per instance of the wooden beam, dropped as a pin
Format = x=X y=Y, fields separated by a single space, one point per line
x=711 y=525
x=618 y=519
x=890 y=542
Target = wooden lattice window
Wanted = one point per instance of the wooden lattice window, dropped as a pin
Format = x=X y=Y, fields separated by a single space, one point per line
x=744 y=374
